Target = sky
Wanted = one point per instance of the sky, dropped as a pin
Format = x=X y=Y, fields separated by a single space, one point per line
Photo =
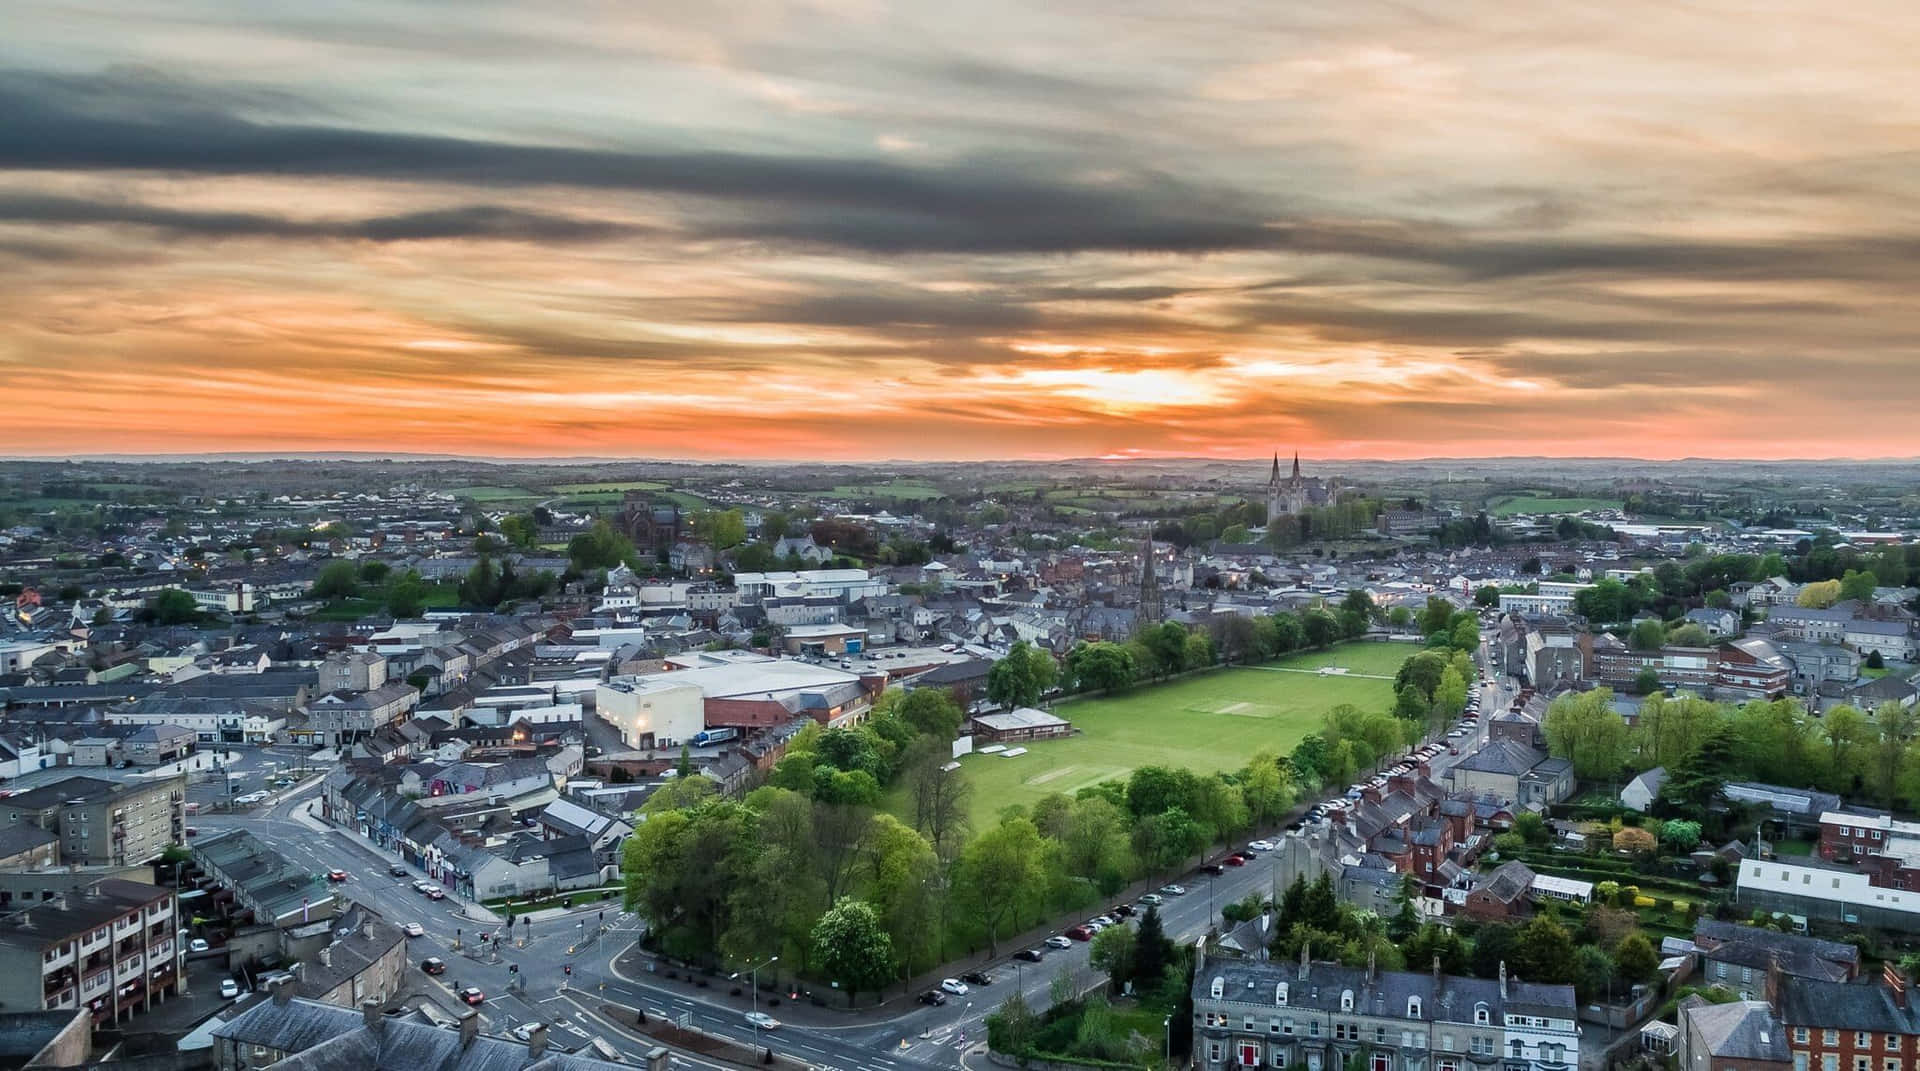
x=860 y=230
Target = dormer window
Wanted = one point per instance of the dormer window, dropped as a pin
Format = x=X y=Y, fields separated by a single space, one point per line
x=1346 y=1000
x=1219 y=987
x=1413 y=1007
x=1280 y=995
x=1480 y=1014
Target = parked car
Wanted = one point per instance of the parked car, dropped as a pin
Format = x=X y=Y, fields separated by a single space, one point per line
x=1058 y=941
x=1236 y=859
x=434 y=965
x=1030 y=955
x=229 y=989
x=524 y=1032
x=414 y=930
x=933 y=997
x=1078 y=933
x=1124 y=911
x=472 y=996
x=1212 y=868
x=198 y=944
x=421 y=887
x=397 y=870
x=436 y=894
x=1104 y=920
x=1260 y=846
x=955 y=986
x=762 y=1020
x=977 y=978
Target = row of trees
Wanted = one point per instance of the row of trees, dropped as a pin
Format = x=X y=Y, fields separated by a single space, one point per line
x=1704 y=744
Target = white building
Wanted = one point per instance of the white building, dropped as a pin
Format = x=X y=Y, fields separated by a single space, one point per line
x=652 y=711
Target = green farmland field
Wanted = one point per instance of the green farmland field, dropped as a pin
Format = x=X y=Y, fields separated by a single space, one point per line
x=1211 y=722
x=1513 y=507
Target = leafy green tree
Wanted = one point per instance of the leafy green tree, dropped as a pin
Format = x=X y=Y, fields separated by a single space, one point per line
x=1450 y=697
x=1875 y=660
x=1431 y=941
x=1583 y=727
x=1113 y=952
x=1100 y=666
x=852 y=947
x=1320 y=627
x=600 y=547
x=999 y=873
x=337 y=580
x=1680 y=834
x=1545 y=952
x=1437 y=616
x=1593 y=969
x=1494 y=944
x=1698 y=780
x=931 y=712
x=1022 y=677
x=1893 y=727
x=407 y=596
x=171 y=606
x=1647 y=681
x=1858 y=585
x=1165 y=841
x=1818 y=595
x=1267 y=787
x=1635 y=959
x=1466 y=635
x=1647 y=635
x=1399 y=617
x=374 y=572
x=1689 y=635
x=1531 y=827
x=1358 y=601
x=1152 y=950
x=1486 y=596
x=521 y=530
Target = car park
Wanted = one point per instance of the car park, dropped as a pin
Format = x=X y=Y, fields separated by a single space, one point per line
x=434 y=965
x=1030 y=955
x=977 y=978
x=933 y=997
x=762 y=1021
x=229 y=989
x=414 y=929
x=955 y=986
x=1173 y=890
x=472 y=996
x=1058 y=941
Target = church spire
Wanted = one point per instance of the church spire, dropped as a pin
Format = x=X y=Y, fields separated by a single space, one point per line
x=1276 y=468
x=1150 y=601
x=1296 y=464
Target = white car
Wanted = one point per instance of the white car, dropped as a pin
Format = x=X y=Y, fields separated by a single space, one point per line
x=1057 y=941
x=1174 y=890
x=762 y=1020
x=955 y=986
x=198 y=944
x=1260 y=846
x=525 y=1031
x=414 y=930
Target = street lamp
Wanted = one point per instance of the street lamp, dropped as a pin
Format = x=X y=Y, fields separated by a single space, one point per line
x=1167 y=1026
x=753 y=982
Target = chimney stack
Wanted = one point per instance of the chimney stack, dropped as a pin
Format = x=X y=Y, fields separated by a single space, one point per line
x=1774 y=974
x=370 y=1014
x=326 y=956
x=1373 y=971
x=1306 y=958
x=537 y=1041
x=469 y=1028
x=282 y=990
x=1436 y=974
x=1503 y=979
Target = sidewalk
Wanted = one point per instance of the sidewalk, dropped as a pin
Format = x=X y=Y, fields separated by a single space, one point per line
x=305 y=816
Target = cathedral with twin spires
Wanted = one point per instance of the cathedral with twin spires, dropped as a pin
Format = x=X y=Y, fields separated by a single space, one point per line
x=1291 y=495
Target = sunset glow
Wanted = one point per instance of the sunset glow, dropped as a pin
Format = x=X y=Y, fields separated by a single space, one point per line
x=843 y=230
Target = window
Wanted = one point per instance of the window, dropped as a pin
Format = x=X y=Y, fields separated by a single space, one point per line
x=1862 y=1063
x=1518 y=1048
x=1280 y=994
x=1892 y=1042
x=1829 y=1037
x=1313 y=1028
x=1800 y=1034
x=1276 y=1056
x=1246 y=1023
x=1213 y=1052
x=1379 y=1035
x=1891 y=1063
x=1830 y=1062
x=1413 y=1007
x=1480 y=1014
x=1287 y=1027
x=1446 y=1044
x=1219 y=986
x=1346 y=1000
x=1273 y=1026
x=1862 y=1039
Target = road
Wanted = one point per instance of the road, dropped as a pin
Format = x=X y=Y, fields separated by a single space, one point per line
x=593 y=940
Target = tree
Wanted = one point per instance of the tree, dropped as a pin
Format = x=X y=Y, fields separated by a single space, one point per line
x=1647 y=635
x=1635 y=958
x=1583 y=727
x=338 y=580
x=1450 y=697
x=1545 y=952
x=1818 y=595
x=1466 y=635
x=600 y=547
x=754 y=558
x=1633 y=840
x=999 y=872
x=1689 y=635
x=931 y=712
x=1267 y=788
x=1647 y=681
x=1893 y=727
x=407 y=596
x=1592 y=972
x=1358 y=601
x=939 y=796
x=1486 y=596
x=1437 y=616
x=1320 y=627
x=374 y=572
x=1020 y=678
x=1680 y=834
x=1152 y=949
x=1531 y=827
x=852 y=948
x=174 y=607
x=1858 y=585
x=1113 y=952
x=1399 y=617
x=1165 y=841
x=1875 y=660
x=1697 y=781
x=1494 y=944
x=521 y=530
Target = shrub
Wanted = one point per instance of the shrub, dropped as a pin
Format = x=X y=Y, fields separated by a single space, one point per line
x=1644 y=901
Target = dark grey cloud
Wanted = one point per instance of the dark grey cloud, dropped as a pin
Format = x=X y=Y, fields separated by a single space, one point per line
x=458 y=222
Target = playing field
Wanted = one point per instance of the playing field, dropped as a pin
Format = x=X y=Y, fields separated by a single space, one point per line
x=1211 y=722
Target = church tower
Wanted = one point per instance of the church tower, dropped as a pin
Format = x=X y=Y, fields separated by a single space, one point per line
x=1152 y=608
x=1288 y=496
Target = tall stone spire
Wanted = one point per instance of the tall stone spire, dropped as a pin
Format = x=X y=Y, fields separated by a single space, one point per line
x=1151 y=606
x=1296 y=465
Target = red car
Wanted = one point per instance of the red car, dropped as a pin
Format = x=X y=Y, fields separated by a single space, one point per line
x=1235 y=859
x=336 y=875
x=1080 y=933
x=472 y=996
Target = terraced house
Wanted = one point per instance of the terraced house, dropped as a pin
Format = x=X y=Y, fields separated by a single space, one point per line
x=1324 y=1017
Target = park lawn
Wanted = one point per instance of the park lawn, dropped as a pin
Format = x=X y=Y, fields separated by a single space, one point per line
x=599 y=488
x=1528 y=504
x=491 y=493
x=1207 y=723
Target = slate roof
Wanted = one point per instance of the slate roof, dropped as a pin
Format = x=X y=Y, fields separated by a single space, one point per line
x=1447 y=999
x=1750 y=946
x=1509 y=882
x=1500 y=757
x=1844 y=1006
x=1742 y=1030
